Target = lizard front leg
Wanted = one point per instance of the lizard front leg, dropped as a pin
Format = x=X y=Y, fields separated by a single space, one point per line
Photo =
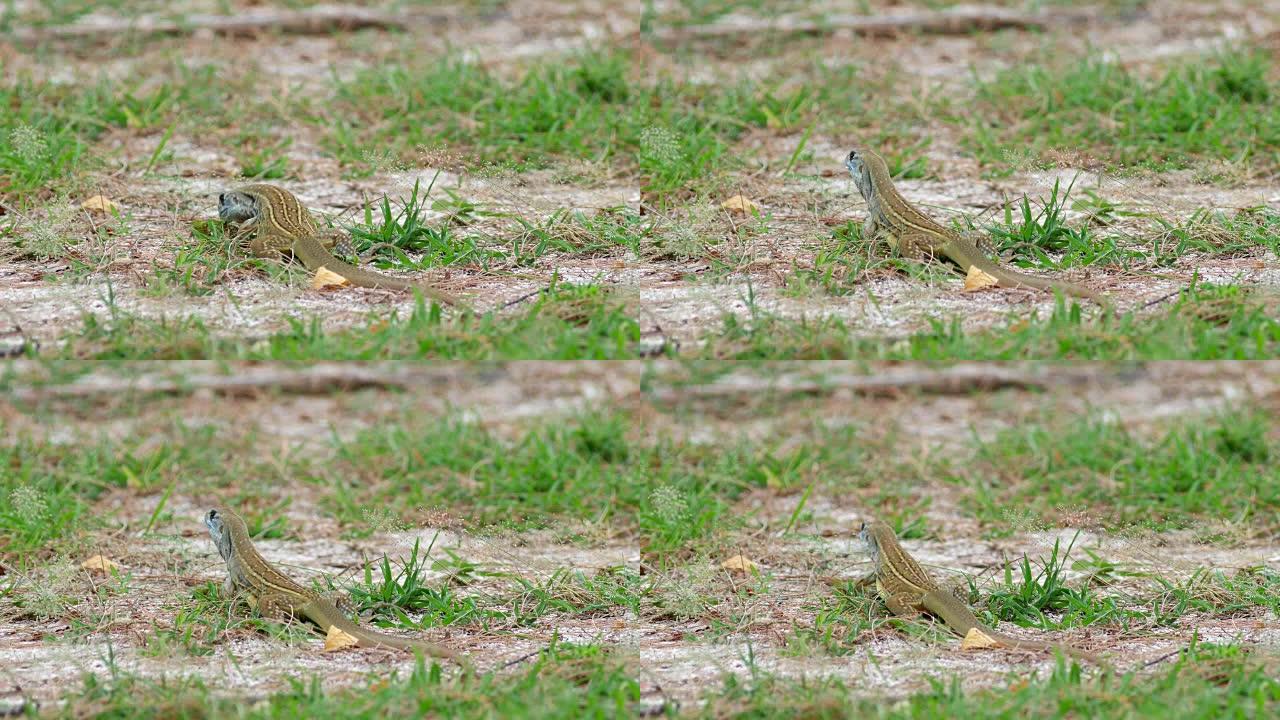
x=867 y=580
x=873 y=232
x=870 y=228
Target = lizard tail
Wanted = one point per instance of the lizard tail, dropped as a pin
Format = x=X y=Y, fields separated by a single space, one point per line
x=1007 y=277
x=314 y=256
x=372 y=638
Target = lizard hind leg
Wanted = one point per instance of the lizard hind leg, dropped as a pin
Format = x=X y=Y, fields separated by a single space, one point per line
x=270 y=245
x=917 y=246
x=343 y=602
x=338 y=243
x=906 y=606
x=275 y=607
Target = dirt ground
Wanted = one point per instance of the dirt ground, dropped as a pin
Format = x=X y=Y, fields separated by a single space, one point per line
x=677 y=657
x=671 y=294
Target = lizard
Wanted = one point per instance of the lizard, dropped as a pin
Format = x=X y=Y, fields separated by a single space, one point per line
x=906 y=588
x=915 y=235
x=275 y=222
x=274 y=595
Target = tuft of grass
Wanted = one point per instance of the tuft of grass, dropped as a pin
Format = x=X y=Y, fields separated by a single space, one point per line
x=395 y=232
x=1028 y=239
x=839 y=625
x=396 y=592
x=264 y=160
x=1216 y=233
x=1042 y=589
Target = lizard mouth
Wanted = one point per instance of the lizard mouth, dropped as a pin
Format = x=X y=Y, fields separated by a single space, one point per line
x=853 y=162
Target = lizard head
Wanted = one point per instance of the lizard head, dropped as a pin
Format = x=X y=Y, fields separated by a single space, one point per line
x=219 y=520
x=854 y=162
x=237 y=206
x=857 y=165
x=870 y=534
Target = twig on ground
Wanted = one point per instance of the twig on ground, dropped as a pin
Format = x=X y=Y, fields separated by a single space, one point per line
x=318 y=20
x=1159 y=300
x=523 y=297
x=951 y=381
x=320 y=380
x=1161 y=659
x=960 y=21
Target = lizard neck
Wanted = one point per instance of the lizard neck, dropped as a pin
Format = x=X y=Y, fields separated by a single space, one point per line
x=891 y=208
x=896 y=566
x=250 y=570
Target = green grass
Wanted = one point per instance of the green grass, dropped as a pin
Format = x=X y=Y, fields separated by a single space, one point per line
x=1029 y=237
x=586 y=108
x=48 y=130
x=1217 y=107
x=1039 y=587
x=1208 y=469
x=590 y=107
x=568 y=322
x=48 y=490
x=673 y=494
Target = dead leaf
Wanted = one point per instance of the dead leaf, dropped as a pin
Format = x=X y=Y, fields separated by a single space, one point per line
x=975 y=639
x=739 y=564
x=327 y=278
x=338 y=640
x=978 y=280
x=100 y=564
x=100 y=204
x=740 y=204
